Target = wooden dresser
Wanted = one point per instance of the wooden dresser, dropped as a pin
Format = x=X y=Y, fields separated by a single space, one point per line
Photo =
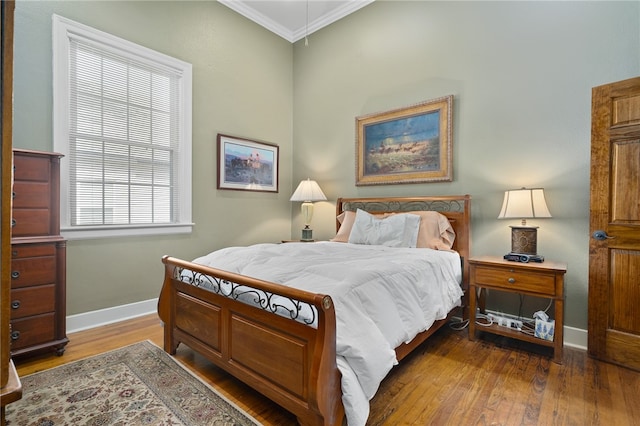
x=38 y=256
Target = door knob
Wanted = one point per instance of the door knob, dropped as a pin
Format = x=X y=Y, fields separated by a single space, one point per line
x=600 y=235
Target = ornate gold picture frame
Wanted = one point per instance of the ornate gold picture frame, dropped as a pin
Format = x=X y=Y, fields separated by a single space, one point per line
x=406 y=145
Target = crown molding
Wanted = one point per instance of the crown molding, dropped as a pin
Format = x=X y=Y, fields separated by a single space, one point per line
x=294 y=35
x=329 y=18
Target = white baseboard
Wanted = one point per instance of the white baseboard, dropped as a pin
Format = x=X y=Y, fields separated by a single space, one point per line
x=106 y=316
x=575 y=337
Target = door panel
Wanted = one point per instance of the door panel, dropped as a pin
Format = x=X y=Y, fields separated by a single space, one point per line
x=625 y=208
x=624 y=291
x=614 y=256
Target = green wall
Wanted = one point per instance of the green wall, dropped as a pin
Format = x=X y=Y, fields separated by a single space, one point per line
x=521 y=74
x=242 y=85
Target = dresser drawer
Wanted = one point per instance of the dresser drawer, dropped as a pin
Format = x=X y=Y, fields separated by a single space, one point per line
x=31 y=271
x=31 y=195
x=32 y=301
x=32 y=331
x=20 y=251
x=512 y=278
x=30 y=222
x=31 y=168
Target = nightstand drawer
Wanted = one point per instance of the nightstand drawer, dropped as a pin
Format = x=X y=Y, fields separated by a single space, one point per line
x=515 y=279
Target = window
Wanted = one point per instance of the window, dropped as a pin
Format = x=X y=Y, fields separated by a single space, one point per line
x=122 y=118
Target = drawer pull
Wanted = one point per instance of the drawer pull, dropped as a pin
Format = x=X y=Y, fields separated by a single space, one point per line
x=511 y=280
x=15 y=304
x=13 y=223
x=15 y=335
x=15 y=274
x=13 y=195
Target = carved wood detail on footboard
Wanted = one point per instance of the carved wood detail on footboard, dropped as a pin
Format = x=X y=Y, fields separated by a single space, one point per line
x=289 y=361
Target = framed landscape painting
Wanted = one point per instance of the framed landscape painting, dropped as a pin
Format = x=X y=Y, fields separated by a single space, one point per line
x=406 y=145
x=247 y=165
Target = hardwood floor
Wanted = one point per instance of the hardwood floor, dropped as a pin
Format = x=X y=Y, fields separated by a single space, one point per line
x=447 y=380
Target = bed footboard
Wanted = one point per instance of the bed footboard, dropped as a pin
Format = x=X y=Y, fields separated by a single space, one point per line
x=291 y=362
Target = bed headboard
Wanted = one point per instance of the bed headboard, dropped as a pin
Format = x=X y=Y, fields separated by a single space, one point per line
x=457 y=208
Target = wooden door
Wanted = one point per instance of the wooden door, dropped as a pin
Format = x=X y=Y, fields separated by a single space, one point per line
x=614 y=248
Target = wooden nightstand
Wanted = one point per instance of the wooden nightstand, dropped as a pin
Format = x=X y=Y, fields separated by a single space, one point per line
x=536 y=279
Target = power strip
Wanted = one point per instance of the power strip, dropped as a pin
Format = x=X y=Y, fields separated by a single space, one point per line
x=505 y=321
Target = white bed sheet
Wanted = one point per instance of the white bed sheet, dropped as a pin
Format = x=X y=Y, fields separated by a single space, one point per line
x=382 y=296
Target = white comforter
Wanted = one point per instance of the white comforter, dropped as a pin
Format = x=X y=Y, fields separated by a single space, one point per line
x=383 y=296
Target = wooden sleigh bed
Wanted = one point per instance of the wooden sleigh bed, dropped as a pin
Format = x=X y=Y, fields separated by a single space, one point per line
x=245 y=340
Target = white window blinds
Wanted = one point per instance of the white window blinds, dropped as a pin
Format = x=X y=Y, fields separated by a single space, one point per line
x=123 y=122
x=123 y=139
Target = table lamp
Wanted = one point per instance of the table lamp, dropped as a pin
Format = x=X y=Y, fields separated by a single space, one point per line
x=308 y=191
x=524 y=203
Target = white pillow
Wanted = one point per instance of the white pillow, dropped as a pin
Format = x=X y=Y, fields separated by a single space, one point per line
x=400 y=230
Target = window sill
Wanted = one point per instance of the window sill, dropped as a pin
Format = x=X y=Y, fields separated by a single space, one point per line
x=94 y=232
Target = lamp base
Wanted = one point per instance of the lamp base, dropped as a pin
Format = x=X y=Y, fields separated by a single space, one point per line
x=307 y=234
x=524 y=258
x=524 y=240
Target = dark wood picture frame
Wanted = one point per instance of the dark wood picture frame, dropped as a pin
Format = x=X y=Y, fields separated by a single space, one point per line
x=247 y=165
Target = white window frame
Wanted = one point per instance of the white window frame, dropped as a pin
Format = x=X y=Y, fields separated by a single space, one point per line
x=63 y=30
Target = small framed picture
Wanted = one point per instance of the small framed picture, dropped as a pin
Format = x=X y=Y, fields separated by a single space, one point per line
x=247 y=165
x=406 y=145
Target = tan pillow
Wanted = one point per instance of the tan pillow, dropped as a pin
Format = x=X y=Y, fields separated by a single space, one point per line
x=346 y=220
x=435 y=231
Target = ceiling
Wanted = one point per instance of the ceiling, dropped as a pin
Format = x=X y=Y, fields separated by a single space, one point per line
x=294 y=19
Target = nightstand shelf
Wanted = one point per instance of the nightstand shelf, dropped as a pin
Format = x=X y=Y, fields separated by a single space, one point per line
x=515 y=334
x=544 y=280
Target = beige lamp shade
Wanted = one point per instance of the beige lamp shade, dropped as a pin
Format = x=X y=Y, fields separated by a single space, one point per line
x=524 y=204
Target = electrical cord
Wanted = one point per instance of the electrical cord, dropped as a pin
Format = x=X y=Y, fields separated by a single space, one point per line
x=459 y=325
x=481 y=319
x=520 y=307
x=487 y=320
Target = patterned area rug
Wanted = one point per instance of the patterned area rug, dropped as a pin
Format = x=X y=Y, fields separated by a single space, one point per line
x=135 y=385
